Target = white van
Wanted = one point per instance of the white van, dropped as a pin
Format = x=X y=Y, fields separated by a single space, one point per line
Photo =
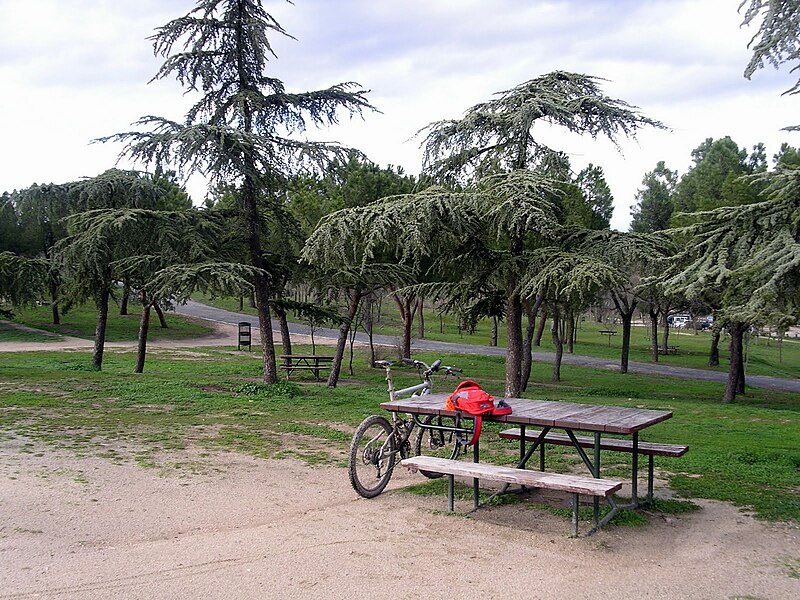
x=680 y=321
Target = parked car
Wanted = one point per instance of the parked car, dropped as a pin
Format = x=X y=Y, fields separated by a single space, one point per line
x=679 y=321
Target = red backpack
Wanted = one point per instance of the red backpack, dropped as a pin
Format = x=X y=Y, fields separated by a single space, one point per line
x=470 y=398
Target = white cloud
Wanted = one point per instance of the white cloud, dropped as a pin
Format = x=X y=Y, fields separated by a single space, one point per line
x=74 y=70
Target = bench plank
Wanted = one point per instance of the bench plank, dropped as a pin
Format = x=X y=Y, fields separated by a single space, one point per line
x=554 y=481
x=617 y=445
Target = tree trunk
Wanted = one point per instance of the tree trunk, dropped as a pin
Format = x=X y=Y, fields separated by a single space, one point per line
x=569 y=331
x=493 y=335
x=527 y=358
x=161 y=320
x=407 y=308
x=740 y=380
x=664 y=332
x=286 y=338
x=558 y=345
x=627 y=318
x=713 y=354
x=101 y=301
x=54 y=308
x=421 y=318
x=144 y=326
x=241 y=303
x=251 y=300
x=735 y=371
x=341 y=342
x=514 y=342
x=625 y=310
x=537 y=340
x=653 y=333
x=261 y=292
x=126 y=296
x=369 y=303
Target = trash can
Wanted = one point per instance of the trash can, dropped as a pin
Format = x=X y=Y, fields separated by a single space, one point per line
x=244 y=335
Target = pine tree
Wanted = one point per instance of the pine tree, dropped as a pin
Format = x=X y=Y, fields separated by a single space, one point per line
x=242 y=130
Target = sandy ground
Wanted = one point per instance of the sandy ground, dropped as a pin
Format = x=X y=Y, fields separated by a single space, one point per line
x=82 y=527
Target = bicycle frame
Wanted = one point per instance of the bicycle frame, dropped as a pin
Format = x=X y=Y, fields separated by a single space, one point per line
x=371 y=463
x=403 y=428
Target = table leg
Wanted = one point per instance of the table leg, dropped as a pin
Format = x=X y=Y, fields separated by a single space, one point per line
x=475 y=481
x=635 y=469
x=596 y=473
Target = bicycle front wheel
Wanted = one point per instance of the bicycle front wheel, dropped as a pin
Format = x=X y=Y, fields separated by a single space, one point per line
x=372 y=456
x=435 y=442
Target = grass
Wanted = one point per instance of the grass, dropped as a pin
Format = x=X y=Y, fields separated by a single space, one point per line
x=81 y=321
x=9 y=333
x=746 y=453
x=765 y=355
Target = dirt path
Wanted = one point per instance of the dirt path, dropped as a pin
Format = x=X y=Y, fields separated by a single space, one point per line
x=86 y=528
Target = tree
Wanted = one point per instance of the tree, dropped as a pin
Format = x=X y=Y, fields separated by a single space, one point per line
x=714 y=179
x=777 y=40
x=750 y=256
x=41 y=209
x=632 y=256
x=89 y=251
x=240 y=132
x=497 y=136
x=22 y=279
x=597 y=197
x=654 y=202
x=568 y=281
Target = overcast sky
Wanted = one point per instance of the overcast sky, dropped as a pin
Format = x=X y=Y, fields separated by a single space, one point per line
x=75 y=70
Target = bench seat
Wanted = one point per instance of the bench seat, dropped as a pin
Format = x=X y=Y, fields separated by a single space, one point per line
x=572 y=484
x=649 y=449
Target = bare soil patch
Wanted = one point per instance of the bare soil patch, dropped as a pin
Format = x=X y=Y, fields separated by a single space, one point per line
x=239 y=527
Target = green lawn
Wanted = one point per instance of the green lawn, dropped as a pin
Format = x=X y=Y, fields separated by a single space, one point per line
x=765 y=356
x=81 y=320
x=747 y=453
x=9 y=333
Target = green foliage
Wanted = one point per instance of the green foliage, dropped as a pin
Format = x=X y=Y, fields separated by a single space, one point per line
x=751 y=253
x=654 y=202
x=496 y=134
x=776 y=41
x=715 y=178
x=22 y=280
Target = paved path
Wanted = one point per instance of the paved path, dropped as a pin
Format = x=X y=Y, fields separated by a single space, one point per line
x=196 y=309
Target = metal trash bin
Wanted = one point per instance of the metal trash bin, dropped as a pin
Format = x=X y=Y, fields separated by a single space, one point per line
x=244 y=335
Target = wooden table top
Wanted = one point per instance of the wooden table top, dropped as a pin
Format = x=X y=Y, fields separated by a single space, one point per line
x=547 y=413
x=305 y=357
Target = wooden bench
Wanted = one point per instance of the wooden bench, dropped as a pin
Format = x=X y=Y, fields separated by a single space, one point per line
x=670 y=350
x=648 y=449
x=572 y=484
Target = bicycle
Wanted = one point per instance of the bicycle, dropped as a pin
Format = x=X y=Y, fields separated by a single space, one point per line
x=377 y=442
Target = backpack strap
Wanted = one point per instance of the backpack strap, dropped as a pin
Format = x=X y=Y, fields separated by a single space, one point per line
x=476 y=432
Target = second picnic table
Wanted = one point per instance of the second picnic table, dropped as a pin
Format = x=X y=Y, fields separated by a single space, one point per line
x=305 y=362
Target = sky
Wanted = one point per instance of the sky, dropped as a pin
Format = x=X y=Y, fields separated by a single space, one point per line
x=72 y=71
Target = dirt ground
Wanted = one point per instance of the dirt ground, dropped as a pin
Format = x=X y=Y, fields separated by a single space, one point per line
x=240 y=527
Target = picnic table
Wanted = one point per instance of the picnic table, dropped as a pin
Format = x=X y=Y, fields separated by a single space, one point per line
x=609 y=333
x=567 y=416
x=305 y=362
x=669 y=350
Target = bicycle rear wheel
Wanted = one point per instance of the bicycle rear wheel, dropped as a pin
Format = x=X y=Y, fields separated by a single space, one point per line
x=434 y=442
x=372 y=456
